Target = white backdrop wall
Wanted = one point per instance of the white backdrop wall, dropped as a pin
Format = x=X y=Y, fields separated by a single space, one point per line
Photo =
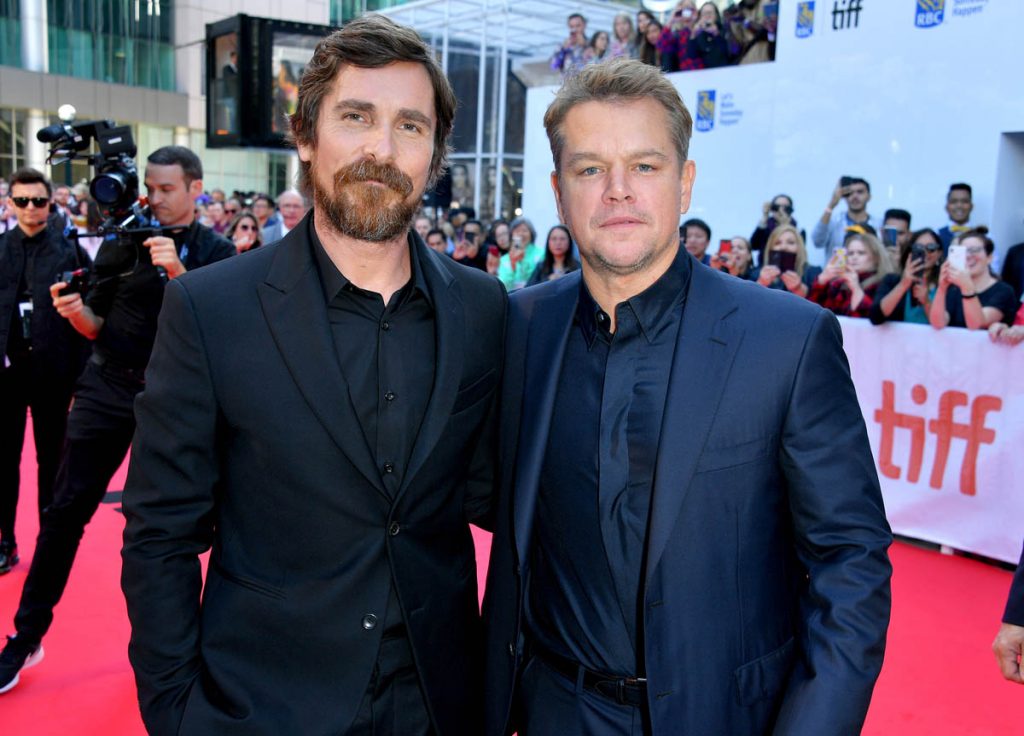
x=910 y=109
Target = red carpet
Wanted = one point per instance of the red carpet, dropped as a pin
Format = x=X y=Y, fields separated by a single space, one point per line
x=940 y=677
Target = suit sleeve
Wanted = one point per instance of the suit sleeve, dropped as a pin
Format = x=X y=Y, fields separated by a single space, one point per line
x=481 y=483
x=1015 y=602
x=842 y=538
x=169 y=506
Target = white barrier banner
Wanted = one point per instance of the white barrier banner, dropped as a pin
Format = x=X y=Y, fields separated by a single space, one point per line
x=945 y=416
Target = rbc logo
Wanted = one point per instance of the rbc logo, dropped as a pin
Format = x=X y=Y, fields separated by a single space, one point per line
x=805 y=19
x=705 y=110
x=929 y=13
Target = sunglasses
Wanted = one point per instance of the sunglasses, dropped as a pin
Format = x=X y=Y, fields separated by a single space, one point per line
x=22 y=202
x=932 y=247
x=782 y=207
x=231 y=211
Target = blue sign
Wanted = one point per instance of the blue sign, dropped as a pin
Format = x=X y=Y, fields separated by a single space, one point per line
x=805 y=19
x=929 y=13
x=705 y=110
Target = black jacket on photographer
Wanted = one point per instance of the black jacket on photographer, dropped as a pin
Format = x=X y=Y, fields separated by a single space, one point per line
x=28 y=266
x=128 y=292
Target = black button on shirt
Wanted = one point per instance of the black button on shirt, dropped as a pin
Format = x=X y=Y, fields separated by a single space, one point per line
x=590 y=528
x=386 y=354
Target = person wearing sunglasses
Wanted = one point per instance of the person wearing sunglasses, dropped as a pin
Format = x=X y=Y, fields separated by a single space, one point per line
x=43 y=355
x=777 y=212
x=244 y=232
x=906 y=296
x=119 y=316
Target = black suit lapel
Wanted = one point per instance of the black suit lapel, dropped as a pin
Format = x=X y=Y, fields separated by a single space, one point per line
x=705 y=349
x=293 y=305
x=550 y=322
x=450 y=329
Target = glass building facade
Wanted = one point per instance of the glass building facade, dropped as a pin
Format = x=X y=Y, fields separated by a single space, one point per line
x=119 y=41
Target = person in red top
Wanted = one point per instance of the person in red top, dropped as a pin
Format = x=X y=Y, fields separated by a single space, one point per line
x=848 y=283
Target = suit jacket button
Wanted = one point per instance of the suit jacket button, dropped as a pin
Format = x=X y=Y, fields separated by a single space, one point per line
x=369 y=622
x=394 y=528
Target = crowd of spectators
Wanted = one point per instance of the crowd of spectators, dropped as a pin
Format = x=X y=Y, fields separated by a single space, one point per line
x=692 y=37
x=875 y=267
x=879 y=268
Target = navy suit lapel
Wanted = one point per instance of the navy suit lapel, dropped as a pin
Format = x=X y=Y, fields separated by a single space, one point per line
x=293 y=305
x=450 y=329
x=704 y=353
x=550 y=321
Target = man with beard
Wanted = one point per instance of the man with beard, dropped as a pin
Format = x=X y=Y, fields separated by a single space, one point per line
x=319 y=413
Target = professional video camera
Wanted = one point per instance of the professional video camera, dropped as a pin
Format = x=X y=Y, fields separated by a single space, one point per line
x=115 y=185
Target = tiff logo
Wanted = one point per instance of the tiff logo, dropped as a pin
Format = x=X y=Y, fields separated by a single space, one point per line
x=846 y=14
x=945 y=428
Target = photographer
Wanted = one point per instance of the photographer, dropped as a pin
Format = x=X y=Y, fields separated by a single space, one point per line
x=43 y=355
x=120 y=316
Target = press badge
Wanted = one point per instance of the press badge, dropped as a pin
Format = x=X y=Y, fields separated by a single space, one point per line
x=25 y=310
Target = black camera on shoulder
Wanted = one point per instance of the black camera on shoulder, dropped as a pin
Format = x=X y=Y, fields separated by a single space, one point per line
x=115 y=183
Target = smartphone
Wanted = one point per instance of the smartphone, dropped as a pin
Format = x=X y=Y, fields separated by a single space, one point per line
x=517 y=242
x=724 y=246
x=890 y=235
x=958 y=256
x=469 y=237
x=845 y=181
x=917 y=252
x=782 y=260
x=839 y=257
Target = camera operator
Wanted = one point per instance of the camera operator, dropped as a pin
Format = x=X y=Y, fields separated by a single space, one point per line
x=43 y=355
x=120 y=316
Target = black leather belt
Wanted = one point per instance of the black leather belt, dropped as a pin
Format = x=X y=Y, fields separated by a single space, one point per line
x=623 y=690
x=137 y=375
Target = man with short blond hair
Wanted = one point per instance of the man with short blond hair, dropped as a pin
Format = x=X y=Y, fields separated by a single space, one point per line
x=671 y=558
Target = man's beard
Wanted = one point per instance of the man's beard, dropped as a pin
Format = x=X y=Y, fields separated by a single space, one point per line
x=362 y=211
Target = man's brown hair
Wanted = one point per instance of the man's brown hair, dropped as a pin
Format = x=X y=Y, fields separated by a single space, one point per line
x=370 y=42
x=617 y=81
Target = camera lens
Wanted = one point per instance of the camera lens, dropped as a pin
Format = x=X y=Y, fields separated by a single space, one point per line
x=107 y=189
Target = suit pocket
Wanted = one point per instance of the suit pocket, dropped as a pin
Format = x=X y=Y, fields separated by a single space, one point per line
x=475 y=391
x=254 y=585
x=764 y=678
x=728 y=456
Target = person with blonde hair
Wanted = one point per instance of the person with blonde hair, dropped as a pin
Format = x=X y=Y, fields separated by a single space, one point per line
x=847 y=285
x=623 y=43
x=785 y=263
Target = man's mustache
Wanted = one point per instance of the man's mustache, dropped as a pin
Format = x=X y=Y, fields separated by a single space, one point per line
x=388 y=175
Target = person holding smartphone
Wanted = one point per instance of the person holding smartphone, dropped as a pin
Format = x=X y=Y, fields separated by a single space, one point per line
x=570 y=56
x=848 y=283
x=778 y=211
x=835 y=224
x=785 y=263
x=467 y=249
x=523 y=255
x=971 y=297
x=708 y=46
x=906 y=296
x=734 y=257
x=675 y=37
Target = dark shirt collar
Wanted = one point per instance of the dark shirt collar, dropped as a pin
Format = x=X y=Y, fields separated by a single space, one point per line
x=652 y=307
x=332 y=280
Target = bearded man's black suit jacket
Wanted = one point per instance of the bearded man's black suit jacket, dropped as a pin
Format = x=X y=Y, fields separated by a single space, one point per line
x=248 y=444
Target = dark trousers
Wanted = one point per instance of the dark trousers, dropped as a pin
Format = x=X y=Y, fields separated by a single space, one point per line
x=22 y=387
x=99 y=433
x=553 y=705
x=394 y=704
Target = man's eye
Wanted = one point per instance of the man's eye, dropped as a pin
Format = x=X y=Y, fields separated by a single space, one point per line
x=353 y=116
x=645 y=168
x=411 y=127
x=589 y=171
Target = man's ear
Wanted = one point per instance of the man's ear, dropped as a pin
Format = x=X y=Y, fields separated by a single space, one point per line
x=556 y=187
x=686 y=178
x=195 y=188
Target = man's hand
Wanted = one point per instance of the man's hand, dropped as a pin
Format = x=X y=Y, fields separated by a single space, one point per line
x=1008 y=648
x=68 y=306
x=164 y=254
x=73 y=309
x=838 y=193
